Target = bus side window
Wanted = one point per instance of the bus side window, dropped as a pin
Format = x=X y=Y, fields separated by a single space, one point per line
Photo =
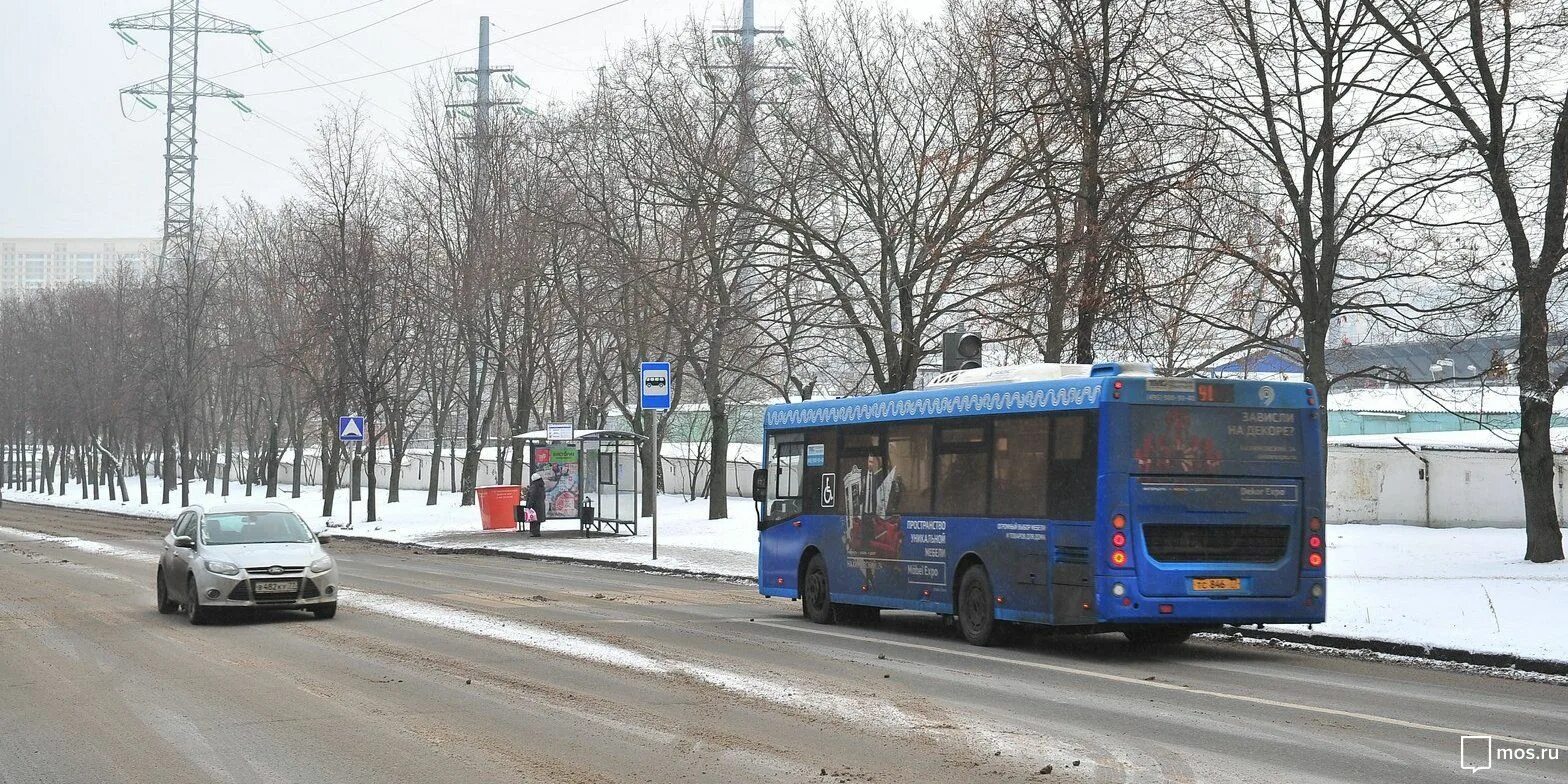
x=786 y=476
x=962 y=473
x=1021 y=468
x=1075 y=466
x=909 y=459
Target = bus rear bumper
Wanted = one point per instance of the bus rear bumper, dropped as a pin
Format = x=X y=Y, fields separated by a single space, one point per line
x=1133 y=607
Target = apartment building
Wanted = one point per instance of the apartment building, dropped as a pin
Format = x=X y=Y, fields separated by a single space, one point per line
x=30 y=263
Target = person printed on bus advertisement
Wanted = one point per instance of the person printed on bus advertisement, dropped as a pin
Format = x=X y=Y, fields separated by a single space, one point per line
x=872 y=495
x=1176 y=449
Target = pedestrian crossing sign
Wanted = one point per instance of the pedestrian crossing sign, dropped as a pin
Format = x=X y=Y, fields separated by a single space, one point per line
x=351 y=428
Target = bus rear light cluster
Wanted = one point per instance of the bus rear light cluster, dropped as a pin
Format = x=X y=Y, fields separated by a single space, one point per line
x=1315 y=543
x=1116 y=389
x=1119 y=540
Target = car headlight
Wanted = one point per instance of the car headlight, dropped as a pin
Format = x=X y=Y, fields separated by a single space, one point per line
x=322 y=564
x=222 y=567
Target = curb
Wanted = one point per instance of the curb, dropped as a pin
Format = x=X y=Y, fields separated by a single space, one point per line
x=625 y=566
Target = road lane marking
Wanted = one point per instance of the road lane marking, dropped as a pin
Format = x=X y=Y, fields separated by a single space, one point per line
x=1131 y=681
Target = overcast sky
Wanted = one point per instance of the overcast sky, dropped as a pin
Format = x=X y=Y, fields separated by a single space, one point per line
x=80 y=162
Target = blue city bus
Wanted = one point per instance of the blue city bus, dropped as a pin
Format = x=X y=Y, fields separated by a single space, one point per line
x=1099 y=498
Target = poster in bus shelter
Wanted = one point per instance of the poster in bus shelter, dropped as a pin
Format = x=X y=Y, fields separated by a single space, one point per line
x=559 y=469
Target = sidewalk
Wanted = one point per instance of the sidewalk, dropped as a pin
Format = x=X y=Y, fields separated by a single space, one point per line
x=1464 y=589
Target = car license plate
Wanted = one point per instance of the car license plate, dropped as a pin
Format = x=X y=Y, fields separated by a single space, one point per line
x=284 y=586
x=1216 y=583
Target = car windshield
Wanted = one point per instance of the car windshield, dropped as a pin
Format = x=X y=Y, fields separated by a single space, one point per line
x=253 y=528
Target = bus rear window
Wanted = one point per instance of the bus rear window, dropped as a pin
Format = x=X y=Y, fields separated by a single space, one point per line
x=1210 y=440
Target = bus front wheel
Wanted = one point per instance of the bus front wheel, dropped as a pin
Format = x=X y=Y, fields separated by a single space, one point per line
x=976 y=614
x=815 y=601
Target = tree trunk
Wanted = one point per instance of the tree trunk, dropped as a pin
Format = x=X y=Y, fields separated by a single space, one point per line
x=329 y=468
x=1543 y=532
x=719 y=460
x=433 y=488
x=370 y=463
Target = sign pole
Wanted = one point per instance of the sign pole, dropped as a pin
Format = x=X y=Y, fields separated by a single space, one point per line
x=351 y=481
x=656 y=382
x=658 y=470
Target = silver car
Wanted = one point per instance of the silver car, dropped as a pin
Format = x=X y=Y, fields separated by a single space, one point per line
x=245 y=555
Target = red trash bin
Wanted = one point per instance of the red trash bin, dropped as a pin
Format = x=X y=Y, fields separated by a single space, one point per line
x=496 y=503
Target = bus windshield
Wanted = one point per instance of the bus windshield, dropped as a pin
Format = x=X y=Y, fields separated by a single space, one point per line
x=1212 y=440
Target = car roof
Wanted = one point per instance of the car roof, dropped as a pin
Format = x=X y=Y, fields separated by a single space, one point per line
x=244 y=506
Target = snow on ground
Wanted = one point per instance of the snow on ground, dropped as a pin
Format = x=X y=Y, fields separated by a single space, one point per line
x=1455 y=588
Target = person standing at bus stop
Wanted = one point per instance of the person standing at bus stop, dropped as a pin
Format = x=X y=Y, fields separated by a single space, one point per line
x=536 y=502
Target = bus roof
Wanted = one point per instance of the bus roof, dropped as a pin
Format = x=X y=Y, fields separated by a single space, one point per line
x=1017 y=397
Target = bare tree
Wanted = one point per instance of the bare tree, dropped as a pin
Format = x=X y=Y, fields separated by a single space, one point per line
x=1486 y=66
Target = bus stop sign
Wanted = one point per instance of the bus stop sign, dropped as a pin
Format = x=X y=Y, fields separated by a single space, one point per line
x=655 y=386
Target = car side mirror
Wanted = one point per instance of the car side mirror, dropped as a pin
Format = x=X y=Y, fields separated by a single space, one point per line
x=324 y=538
x=185 y=542
x=759 y=485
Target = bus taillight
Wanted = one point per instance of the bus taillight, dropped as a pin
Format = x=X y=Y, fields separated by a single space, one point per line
x=1118 y=540
x=1315 y=543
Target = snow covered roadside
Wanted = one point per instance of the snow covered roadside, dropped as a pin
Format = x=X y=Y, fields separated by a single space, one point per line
x=1466 y=589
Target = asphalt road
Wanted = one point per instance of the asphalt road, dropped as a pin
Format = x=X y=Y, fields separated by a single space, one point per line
x=446 y=668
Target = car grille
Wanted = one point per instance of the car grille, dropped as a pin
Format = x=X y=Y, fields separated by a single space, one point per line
x=267 y=570
x=311 y=591
x=1216 y=543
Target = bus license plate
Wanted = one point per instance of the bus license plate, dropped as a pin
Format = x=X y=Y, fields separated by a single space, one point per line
x=1216 y=583
x=286 y=586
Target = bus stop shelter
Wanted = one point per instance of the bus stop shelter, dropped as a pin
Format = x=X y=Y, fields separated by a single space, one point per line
x=593 y=477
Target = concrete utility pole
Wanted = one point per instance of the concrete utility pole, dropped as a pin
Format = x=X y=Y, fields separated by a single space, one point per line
x=185 y=23
x=483 y=101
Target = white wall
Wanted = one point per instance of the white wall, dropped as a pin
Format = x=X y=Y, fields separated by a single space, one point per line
x=1468 y=489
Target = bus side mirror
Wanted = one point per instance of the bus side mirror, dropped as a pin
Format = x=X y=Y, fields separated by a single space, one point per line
x=759 y=485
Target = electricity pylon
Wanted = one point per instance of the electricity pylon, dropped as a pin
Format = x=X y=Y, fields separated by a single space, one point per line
x=185 y=23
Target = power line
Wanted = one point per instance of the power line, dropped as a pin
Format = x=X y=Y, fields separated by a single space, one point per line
x=320 y=44
x=303 y=20
x=214 y=137
x=346 y=45
x=541 y=28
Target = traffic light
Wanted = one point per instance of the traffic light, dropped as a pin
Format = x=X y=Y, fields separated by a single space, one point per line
x=961 y=350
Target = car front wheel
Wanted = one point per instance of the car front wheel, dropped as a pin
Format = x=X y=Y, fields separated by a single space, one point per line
x=325 y=611
x=166 y=605
x=194 y=612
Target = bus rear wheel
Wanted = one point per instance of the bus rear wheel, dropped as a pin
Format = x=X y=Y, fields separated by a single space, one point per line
x=1157 y=635
x=976 y=613
x=815 y=601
